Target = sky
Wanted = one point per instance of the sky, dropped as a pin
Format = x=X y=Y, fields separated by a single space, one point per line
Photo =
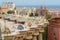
x=32 y=2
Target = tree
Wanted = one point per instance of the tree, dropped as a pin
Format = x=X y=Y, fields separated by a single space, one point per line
x=10 y=12
x=3 y=12
x=36 y=14
x=48 y=16
x=45 y=34
x=31 y=15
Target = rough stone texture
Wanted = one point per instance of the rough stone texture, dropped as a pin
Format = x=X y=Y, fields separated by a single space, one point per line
x=0 y=35
x=54 y=29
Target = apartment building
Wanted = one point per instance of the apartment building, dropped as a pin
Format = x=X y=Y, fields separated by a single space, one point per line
x=9 y=5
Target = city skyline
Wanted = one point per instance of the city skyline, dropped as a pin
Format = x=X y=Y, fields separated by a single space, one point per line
x=32 y=2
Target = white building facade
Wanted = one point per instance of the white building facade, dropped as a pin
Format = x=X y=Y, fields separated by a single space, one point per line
x=9 y=5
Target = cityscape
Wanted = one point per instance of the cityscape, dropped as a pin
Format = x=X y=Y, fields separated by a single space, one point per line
x=29 y=22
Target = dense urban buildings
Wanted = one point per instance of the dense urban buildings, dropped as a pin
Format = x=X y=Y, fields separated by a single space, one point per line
x=9 y=5
x=54 y=12
x=6 y=6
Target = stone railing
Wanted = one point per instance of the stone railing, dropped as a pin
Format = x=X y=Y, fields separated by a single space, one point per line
x=35 y=33
x=32 y=34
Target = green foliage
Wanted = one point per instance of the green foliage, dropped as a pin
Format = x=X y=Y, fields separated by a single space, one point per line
x=31 y=15
x=3 y=13
x=36 y=14
x=48 y=16
x=10 y=12
x=45 y=34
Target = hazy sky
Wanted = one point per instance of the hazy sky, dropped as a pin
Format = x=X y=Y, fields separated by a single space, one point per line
x=32 y=2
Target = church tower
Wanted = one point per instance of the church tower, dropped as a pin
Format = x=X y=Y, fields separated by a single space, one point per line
x=42 y=11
